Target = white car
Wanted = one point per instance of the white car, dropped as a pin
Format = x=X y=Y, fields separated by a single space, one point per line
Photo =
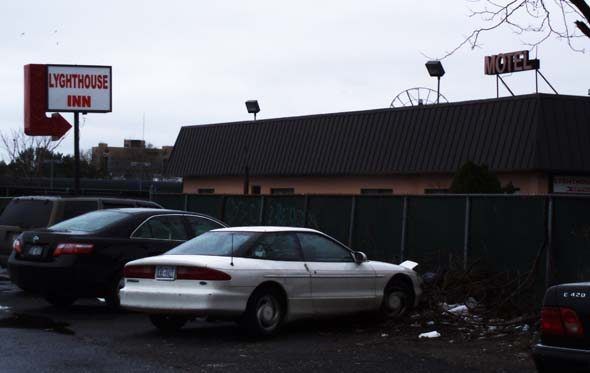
x=263 y=277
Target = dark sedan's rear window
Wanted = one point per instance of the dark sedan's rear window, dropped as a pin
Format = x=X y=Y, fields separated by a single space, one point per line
x=91 y=222
x=27 y=213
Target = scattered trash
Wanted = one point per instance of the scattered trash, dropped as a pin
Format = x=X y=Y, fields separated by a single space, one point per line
x=471 y=303
x=4 y=308
x=429 y=277
x=384 y=335
x=459 y=310
x=492 y=328
x=430 y=323
x=525 y=328
x=433 y=334
x=100 y=300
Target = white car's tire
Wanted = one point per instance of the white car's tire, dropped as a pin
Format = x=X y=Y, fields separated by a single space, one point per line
x=397 y=300
x=264 y=314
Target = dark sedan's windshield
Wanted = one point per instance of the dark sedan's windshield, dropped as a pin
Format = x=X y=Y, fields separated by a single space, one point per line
x=215 y=244
x=91 y=222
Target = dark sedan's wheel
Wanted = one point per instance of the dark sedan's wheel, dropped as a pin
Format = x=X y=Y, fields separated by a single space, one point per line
x=60 y=301
x=397 y=300
x=113 y=298
x=264 y=314
x=168 y=323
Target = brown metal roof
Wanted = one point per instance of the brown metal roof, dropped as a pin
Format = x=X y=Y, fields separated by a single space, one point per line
x=534 y=132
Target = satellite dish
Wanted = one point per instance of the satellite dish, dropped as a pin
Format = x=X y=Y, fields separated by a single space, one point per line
x=416 y=97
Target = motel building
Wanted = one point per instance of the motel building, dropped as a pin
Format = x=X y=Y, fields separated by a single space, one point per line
x=539 y=142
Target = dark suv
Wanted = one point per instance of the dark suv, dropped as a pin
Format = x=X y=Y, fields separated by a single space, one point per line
x=26 y=213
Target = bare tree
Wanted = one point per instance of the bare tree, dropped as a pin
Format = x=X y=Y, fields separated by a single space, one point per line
x=27 y=153
x=536 y=20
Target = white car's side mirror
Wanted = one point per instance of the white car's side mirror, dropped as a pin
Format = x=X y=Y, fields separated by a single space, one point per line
x=359 y=257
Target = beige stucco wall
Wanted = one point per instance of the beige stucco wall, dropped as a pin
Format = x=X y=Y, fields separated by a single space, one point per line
x=529 y=183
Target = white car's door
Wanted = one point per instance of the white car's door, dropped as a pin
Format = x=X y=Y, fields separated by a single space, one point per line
x=281 y=257
x=338 y=284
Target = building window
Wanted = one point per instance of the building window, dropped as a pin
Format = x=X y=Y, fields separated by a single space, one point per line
x=376 y=191
x=282 y=190
x=206 y=191
x=436 y=191
x=255 y=189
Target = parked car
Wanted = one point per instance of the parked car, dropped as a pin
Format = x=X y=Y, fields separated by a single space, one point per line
x=84 y=256
x=27 y=213
x=564 y=344
x=263 y=277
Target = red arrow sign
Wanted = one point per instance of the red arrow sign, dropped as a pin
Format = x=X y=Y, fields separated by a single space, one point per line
x=36 y=122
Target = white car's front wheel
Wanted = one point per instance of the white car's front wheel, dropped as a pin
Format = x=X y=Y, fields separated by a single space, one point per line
x=397 y=299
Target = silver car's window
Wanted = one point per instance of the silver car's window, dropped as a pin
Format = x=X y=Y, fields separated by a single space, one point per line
x=198 y=225
x=216 y=244
x=276 y=246
x=162 y=228
x=317 y=248
x=91 y=222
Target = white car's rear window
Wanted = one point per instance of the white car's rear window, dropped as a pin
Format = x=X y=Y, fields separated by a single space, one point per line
x=215 y=244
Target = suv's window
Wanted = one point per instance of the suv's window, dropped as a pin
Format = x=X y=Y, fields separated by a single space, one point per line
x=27 y=213
x=276 y=246
x=147 y=204
x=169 y=227
x=91 y=222
x=198 y=225
x=317 y=248
x=116 y=204
x=77 y=208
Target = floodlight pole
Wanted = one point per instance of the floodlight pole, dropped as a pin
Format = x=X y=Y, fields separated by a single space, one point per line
x=76 y=153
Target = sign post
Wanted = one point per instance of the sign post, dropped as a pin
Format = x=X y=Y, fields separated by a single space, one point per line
x=65 y=88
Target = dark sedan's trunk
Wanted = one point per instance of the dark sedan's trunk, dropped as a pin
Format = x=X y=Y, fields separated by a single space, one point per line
x=577 y=298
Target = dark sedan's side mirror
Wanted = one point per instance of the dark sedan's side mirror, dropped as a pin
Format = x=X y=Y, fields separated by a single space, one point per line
x=359 y=257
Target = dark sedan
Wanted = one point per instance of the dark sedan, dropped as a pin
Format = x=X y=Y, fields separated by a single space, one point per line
x=565 y=330
x=84 y=256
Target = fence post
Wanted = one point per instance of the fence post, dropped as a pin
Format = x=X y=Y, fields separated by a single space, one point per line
x=261 y=214
x=466 y=233
x=351 y=227
x=549 y=251
x=404 y=219
x=222 y=212
x=305 y=206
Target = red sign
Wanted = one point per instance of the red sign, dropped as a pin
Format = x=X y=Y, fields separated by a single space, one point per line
x=36 y=122
x=509 y=63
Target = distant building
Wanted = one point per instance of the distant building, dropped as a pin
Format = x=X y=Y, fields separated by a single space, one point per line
x=133 y=160
x=540 y=143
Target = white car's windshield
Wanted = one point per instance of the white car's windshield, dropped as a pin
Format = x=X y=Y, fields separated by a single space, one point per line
x=216 y=244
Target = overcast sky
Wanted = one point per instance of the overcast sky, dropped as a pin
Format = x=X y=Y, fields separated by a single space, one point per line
x=196 y=62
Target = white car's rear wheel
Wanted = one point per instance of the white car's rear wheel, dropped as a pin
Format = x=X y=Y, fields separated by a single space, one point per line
x=168 y=323
x=265 y=313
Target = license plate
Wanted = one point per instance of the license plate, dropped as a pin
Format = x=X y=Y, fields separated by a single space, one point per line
x=167 y=273
x=35 y=251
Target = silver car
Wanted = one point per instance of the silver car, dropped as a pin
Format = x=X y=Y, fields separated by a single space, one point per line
x=263 y=277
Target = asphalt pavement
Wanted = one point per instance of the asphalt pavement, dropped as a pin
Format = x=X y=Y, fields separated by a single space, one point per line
x=88 y=337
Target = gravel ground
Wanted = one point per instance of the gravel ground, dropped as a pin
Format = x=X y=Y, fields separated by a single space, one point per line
x=90 y=338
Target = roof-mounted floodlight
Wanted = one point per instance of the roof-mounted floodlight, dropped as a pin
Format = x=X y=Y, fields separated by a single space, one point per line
x=253 y=107
x=436 y=69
